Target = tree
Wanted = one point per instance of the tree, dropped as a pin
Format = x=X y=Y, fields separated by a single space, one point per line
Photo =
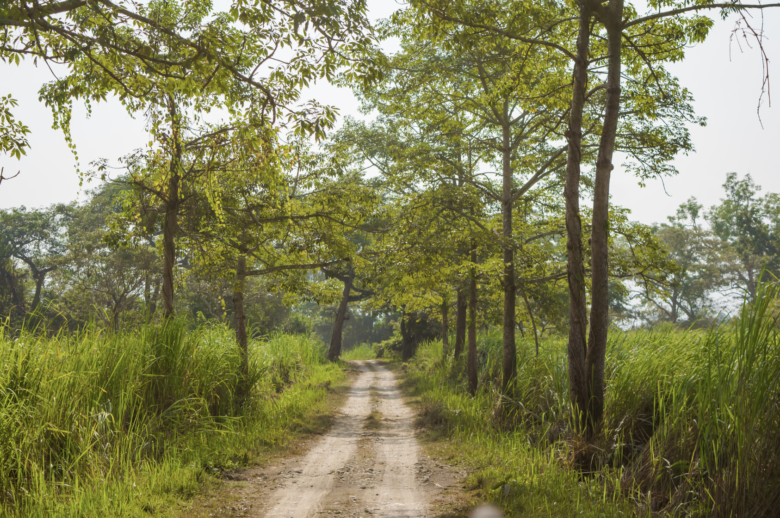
x=289 y=212
x=509 y=94
x=750 y=225
x=98 y=274
x=649 y=40
x=37 y=238
x=118 y=47
x=700 y=267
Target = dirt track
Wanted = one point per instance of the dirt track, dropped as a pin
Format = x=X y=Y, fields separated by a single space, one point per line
x=369 y=464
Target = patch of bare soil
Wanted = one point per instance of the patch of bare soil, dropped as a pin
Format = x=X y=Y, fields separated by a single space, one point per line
x=370 y=464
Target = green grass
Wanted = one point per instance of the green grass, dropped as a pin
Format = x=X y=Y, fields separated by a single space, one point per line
x=691 y=428
x=359 y=352
x=97 y=424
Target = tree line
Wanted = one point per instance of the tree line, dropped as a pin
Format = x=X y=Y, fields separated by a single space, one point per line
x=493 y=125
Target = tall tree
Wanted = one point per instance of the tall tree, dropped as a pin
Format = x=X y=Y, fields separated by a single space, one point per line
x=649 y=40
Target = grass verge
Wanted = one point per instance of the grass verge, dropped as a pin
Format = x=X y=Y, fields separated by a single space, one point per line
x=136 y=424
x=692 y=420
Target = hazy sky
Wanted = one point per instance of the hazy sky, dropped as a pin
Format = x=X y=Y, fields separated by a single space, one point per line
x=725 y=84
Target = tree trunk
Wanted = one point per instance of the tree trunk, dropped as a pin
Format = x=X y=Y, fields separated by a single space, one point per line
x=238 y=309
x=460 y=323
x=510 y=352
x=575 y=271
x=335 y=341
x=11 y=280
x=471 y=359
x=147 y=297
x=599 y=311
x=40 y=278
x=171 y=223
x=408 y=339
x=150 y=299
x=445 y=327
x=115 y=317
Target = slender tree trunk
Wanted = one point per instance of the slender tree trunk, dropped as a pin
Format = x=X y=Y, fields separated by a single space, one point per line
x=471 y=359
x=171 y=223
x=115 y=317
x=510 y=350
x=599 y=312
x=147 y=297
x=408 y=338
x=169 y=243
x=445 y=327
x=460 y=323
x=150 y=298
x=40 y=278
x=238 y=310
x=153 y=303
x=575 y=271
x=335 y=341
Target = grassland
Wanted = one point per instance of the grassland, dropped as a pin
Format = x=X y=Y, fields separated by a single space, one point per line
x=135 y=424
x=691 y=428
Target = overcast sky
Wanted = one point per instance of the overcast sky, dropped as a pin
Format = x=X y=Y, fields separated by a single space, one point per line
x=724 y=81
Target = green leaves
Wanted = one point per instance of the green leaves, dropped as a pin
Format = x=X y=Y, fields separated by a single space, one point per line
x=13 y=134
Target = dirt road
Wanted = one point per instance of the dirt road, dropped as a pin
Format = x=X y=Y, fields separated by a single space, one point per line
x=369 y=464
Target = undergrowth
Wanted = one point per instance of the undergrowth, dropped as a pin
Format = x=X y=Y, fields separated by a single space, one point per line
x=359 y=352
x=131 y=424
x=691 y=427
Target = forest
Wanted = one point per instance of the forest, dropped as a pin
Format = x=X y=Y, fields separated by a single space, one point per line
x=269 y=309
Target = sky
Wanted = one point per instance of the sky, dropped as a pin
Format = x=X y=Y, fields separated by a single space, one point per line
x=724 y=80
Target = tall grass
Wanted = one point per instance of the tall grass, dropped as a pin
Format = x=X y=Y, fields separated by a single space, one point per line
x=360 y=352
x=108 y=424
x=691 y=427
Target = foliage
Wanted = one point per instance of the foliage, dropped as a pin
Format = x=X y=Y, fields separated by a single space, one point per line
x=750 y=225
x=13 y=134
x=689 y=426
x=97 y=423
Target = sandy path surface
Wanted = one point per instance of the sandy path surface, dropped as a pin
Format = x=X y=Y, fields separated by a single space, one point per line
x=316 y=475
x=368 y=465
x=397 y=450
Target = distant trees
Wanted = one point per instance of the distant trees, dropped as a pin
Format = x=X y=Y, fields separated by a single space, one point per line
x=37 y=239
x=750 y=225
x=714 y=255
x=700 y=268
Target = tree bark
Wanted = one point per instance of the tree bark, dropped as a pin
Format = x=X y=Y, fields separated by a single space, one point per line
x=115 y=317
x=40 y=278
x=170 y=225
x=335 y=341
x=445 y=327
x=471 y=359
x=575 y=271
x=407 y=337
x=509 y=346
x=16 y=293
x=147 y=297
x=599 y=311
x=460 y=323
x=240 y=315
x=150 y=299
